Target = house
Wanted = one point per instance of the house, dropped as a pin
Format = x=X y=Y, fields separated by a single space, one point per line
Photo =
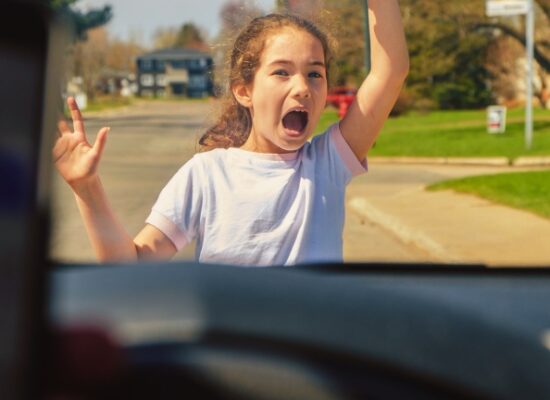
x=175 y=72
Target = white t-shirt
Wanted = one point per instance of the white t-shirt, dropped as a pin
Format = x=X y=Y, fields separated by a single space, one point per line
x=247 y=208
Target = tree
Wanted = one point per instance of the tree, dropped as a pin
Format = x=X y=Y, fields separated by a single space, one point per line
x=306 y=8
x=90 y=58
x=190 y=36
x=121 y=55
x=234 y=14
x=485 y=43
x=164 y=38
x=542 y=44
x=448 y=61
x=100 y=58
x=82 y=21
x=507 y=36
x=343 y=19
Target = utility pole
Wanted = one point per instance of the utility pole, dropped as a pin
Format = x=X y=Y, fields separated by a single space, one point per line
x=530 y=44
x=367 y=36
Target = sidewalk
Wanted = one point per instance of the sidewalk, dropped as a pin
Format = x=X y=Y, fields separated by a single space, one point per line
x=450 y=227
x=532 y=161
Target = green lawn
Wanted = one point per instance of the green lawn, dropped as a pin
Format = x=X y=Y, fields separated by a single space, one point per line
x=526 y=190
x=328 y=117
x=456 y=134
x=107 y=102
x=463 y=134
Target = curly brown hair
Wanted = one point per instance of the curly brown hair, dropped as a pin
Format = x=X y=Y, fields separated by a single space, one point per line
x=234 y=123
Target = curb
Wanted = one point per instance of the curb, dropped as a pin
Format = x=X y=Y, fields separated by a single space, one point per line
x=532 y=162
x=543 y=161
x=405 y=234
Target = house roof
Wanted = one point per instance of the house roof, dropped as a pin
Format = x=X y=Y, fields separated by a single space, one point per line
x=174 y=54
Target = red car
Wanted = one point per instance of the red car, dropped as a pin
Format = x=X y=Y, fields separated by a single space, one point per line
x=341 y=98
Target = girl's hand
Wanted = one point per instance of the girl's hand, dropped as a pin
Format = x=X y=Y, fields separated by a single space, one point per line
x=76 y=160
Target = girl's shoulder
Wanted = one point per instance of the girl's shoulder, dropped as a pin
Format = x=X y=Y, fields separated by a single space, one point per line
x=214 y=156
x=201 y=163
x=322 y=140
x=330 y=146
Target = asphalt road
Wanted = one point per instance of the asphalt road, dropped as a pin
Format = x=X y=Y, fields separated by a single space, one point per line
x=148 y=142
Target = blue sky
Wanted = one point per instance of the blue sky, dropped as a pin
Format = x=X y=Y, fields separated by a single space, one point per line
x=142 y=17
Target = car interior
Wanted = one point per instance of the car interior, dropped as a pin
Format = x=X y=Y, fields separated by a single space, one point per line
x=160 y=330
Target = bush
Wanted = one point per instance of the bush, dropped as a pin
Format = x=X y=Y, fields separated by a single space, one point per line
x=403 y=104
x=460 y=95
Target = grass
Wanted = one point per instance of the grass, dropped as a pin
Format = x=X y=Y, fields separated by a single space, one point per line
x=107 y=102
x=464 y=134
x=328 y=117
x=456 y=134
x=525 y=190
x=177 y=99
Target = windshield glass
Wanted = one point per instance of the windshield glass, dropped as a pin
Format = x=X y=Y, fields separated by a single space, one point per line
x=459 y=173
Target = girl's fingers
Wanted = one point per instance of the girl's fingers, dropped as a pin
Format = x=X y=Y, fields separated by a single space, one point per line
x=100 y=140
x=59 y=149
x=78 y=123
x=63 y=127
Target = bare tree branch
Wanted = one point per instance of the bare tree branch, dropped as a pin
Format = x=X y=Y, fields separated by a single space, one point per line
x=543 y=60
x=544 y=6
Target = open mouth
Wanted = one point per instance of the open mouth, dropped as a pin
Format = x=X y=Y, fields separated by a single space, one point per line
x=295 y=122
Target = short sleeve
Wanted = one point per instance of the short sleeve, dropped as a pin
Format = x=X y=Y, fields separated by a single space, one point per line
x=335 y=158
x=176 y=213
x=355 y=166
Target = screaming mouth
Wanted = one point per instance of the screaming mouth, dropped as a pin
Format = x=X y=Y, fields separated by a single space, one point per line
x=295 y=121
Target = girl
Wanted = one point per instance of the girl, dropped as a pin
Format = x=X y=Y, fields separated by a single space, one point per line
x=263 y=195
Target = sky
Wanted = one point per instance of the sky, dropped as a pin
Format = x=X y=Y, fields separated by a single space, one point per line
x=141 y=18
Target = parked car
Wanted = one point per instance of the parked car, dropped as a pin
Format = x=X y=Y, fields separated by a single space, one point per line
x=341 y=98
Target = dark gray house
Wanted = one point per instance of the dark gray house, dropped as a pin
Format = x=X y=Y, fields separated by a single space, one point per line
x=175 y=72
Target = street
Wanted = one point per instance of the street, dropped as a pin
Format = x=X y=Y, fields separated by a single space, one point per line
x=389 y=216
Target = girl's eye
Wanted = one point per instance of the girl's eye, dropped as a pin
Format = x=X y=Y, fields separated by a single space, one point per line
x=315 y=75
x=280 y=72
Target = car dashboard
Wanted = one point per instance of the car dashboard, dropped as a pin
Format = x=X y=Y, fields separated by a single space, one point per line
x=316 y=331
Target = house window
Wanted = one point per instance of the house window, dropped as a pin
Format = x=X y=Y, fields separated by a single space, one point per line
x=147 y=80
x=197 y=81
x=146 y=65
x=179 y=64
x=161 y=80
x=160 y=65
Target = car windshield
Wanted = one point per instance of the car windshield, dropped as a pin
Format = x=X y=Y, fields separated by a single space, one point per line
x=460 y=173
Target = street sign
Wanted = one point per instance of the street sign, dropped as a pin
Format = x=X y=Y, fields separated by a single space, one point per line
x=496 y=119
x=500 y=8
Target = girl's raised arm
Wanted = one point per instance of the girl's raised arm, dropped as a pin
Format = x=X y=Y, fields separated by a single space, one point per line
x=379 y=91
x=77 y=162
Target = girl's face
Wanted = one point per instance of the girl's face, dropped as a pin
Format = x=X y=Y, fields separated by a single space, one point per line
x=288 y=93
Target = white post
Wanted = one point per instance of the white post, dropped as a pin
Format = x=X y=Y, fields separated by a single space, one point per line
x=530 y=38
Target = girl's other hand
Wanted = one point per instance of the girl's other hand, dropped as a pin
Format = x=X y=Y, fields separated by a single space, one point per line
x=76 y=160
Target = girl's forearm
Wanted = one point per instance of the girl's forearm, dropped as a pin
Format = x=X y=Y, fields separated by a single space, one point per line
x=108 y=237
x=389 y=55
x=381 y=88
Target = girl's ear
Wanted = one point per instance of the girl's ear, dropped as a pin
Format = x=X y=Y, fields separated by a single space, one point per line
x=243 y=95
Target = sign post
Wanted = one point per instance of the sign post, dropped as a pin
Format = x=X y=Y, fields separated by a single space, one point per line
x=530 y=46
x=367 y=36
x=504 y=8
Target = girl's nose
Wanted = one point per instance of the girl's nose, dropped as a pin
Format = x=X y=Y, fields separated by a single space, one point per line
x=301 y=88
